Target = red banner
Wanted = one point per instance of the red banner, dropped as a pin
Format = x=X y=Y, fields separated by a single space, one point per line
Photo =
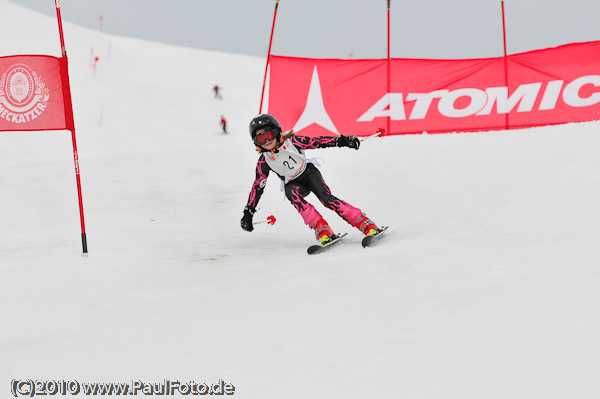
x=31 y=93
x=330 y=96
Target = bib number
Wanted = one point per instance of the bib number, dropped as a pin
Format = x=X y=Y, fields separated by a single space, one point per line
x=286 y=163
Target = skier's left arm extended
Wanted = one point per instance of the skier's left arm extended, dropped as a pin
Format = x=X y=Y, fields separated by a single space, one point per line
x=309 y=143
x=262 y=172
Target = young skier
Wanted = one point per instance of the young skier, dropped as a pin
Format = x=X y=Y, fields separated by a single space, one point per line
x=284 y=155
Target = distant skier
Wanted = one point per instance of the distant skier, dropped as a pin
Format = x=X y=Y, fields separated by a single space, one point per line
x=224 y=124
x=217 y=89
x=285 y=156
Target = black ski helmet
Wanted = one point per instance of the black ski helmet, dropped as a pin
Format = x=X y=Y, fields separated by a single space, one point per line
x=265 y=120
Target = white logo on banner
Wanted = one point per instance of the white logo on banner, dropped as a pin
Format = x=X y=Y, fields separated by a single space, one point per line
x=23 y=95
x=485 y=102
x=314 y=110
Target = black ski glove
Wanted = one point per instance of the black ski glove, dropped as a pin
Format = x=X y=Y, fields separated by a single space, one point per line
x=348 y=141
x=246 y=221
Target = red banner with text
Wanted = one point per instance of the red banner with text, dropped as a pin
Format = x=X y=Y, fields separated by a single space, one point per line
x=31 y=93
x=332 y=96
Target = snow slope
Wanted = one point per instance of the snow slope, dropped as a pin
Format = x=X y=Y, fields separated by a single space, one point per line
x=485 y=286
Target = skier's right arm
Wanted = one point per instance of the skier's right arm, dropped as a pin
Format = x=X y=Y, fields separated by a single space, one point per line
x=262 y=172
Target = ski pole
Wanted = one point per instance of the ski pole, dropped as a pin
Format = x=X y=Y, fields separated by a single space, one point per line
x=381 y=132
x=270 y=220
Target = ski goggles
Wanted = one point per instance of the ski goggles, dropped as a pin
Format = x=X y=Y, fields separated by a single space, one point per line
x=262 y=138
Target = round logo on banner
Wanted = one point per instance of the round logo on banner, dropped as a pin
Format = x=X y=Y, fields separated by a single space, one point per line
x=23 y=95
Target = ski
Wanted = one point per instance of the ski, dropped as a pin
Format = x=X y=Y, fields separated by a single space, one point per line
x=370 y=240
x=318 y=248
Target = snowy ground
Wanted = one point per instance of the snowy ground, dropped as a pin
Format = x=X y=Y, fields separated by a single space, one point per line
x=485 y=286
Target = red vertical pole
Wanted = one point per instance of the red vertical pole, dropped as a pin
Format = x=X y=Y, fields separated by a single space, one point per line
x=268 y=57
x=60 y=29
x=505 y=55
x=70 y=122
x=389 y=69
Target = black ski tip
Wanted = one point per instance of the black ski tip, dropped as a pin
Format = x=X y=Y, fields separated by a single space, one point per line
x=369 y=240
x=314 y=249
x=317 y=248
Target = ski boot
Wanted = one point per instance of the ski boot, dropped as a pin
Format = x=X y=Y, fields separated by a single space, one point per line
x=366 y=225
x=323 y=232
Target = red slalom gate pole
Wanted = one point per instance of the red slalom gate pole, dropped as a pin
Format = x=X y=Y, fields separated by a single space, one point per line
x=505 y=54
x=60 y=29
x=268 y=57
x=389 y=65
x=70 y=121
